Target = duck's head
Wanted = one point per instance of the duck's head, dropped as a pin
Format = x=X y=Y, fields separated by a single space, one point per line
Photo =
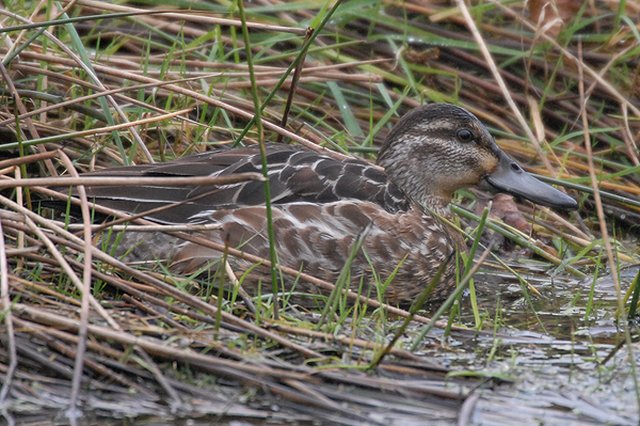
x=438 y=148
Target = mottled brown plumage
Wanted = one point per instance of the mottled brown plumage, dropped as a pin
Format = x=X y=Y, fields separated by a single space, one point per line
x=321 y=206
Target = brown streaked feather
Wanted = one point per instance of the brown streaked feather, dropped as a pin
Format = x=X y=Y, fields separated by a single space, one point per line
x=319 y=238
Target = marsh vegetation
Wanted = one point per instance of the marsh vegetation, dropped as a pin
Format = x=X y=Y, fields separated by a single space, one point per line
x=546 y=328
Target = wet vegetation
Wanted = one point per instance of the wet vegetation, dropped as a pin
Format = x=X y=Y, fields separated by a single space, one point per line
x=547 y=327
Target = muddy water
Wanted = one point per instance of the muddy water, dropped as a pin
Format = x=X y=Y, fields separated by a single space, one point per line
x=552 y=349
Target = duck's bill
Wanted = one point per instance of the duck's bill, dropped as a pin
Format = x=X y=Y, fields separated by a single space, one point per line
x=511 y=178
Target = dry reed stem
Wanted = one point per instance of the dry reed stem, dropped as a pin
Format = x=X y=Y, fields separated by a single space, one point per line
x=192 y=16
x=85 y=292
x=8 y=321
x=598 y=201
x=506 y=93
x=611 y=259
x=126 y=181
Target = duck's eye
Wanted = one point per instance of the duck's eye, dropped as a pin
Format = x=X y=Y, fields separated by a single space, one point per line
x=464 y=135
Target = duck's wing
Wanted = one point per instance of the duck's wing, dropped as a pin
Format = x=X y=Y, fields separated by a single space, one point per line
x=295 y=175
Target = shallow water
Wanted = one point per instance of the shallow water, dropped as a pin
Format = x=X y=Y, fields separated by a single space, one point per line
x=554 y=357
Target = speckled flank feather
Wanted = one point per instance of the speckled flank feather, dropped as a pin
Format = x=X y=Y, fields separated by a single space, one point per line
x=318 y=238
x=321 y=205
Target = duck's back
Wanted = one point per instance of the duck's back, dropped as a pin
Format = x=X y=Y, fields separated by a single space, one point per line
x=295 y=175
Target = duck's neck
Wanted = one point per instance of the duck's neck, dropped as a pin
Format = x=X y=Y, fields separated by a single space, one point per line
x=433 y=204
x=420 y=189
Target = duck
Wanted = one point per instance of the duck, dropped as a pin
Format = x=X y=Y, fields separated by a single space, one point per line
x=395 y=213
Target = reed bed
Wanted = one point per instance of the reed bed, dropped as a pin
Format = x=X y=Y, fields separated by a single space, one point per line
x=88 y=84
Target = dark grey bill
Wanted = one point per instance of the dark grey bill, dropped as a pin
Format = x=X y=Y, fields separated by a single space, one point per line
x=511 y=178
